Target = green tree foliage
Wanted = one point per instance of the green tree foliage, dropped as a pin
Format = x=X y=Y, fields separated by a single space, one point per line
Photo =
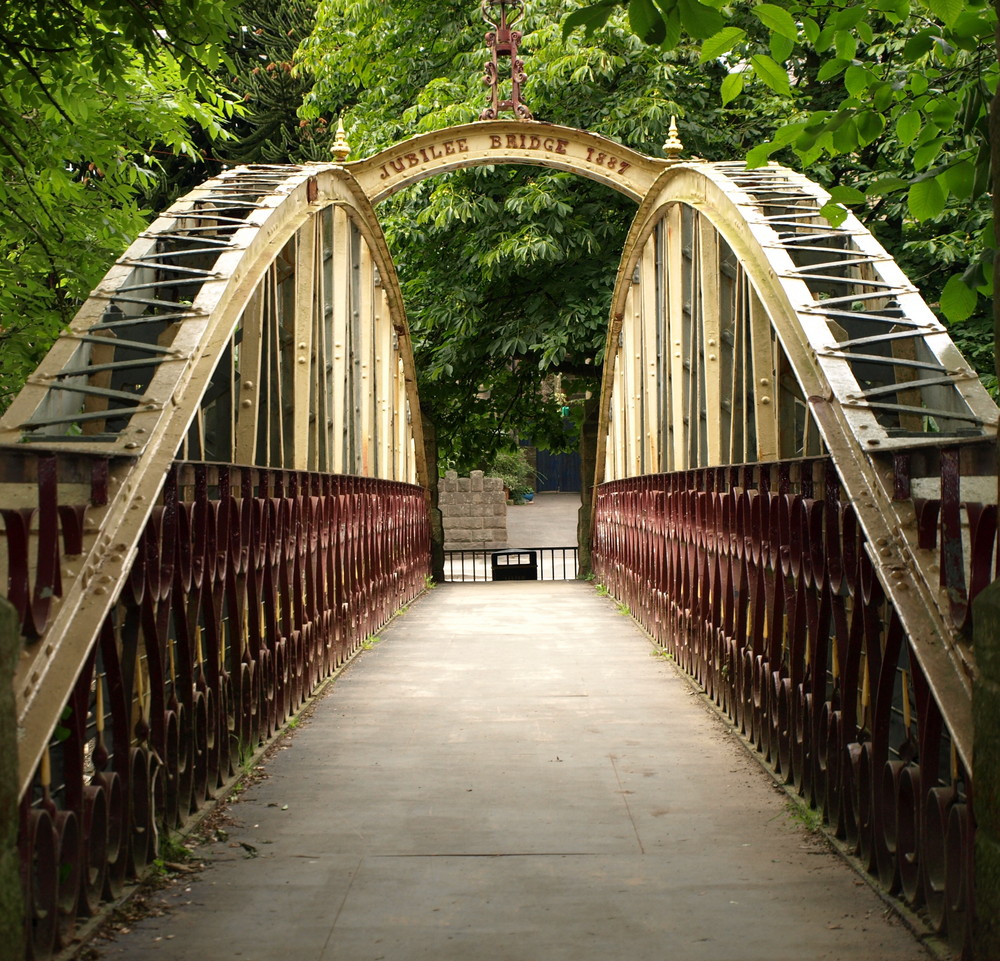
x=269 y=130
x=91 y=94
x=507 y=271
x=898 y=90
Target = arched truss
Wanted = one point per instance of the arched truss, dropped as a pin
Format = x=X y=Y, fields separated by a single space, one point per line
x=821 y=591
x=257 y=322
x=746 y=329
x=776 y=333
x=222 y=334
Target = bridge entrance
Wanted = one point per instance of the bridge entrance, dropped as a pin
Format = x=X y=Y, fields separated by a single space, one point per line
x=214 y=492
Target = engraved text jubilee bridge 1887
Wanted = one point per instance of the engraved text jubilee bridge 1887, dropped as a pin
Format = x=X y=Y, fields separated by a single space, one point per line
x=213 y=488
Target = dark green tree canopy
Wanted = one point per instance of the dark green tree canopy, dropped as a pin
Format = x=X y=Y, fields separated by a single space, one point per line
x=507 y=271
x=892 y=97
x=271 y=90
x=92 y=96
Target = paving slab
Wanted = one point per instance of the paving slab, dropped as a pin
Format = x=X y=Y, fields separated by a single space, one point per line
x=509 y=774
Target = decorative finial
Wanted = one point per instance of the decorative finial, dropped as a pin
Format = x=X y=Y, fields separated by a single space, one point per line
x=341 y=149
x=673 y=147
x=501 y=41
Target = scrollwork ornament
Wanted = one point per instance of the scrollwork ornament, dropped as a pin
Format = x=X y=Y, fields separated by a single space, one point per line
x=502 y=41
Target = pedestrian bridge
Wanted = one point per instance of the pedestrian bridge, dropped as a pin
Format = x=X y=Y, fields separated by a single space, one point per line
x=215 y=490
x=507 y=773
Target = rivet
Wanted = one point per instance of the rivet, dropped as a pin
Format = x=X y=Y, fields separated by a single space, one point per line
x=765 y=401
x=247 y=403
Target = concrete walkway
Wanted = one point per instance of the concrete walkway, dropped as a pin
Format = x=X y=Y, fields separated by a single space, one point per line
x=510 y=775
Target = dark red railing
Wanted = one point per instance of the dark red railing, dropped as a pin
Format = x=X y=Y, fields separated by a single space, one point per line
x=249 y=588
x=757 y=581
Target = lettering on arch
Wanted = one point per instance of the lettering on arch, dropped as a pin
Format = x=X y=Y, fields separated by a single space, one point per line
x=493 y=142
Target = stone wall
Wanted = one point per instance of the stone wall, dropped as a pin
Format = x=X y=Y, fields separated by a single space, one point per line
x=473 y=511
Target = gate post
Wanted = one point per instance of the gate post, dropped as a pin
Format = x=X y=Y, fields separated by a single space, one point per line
x=588 y=465
x=11 y=903
x=437 y=526
x=986 y=772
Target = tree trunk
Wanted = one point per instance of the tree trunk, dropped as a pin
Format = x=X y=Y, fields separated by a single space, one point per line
x=995 y=184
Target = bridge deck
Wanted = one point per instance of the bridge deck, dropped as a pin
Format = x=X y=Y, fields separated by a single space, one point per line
x=510 y=774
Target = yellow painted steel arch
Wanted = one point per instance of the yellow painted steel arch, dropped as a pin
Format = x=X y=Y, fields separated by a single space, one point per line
x=745 y=328
x=258 y=322
x=507 y=142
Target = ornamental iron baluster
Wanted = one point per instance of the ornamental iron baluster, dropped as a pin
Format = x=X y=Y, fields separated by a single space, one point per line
x=502 y=41
x=764 y=591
